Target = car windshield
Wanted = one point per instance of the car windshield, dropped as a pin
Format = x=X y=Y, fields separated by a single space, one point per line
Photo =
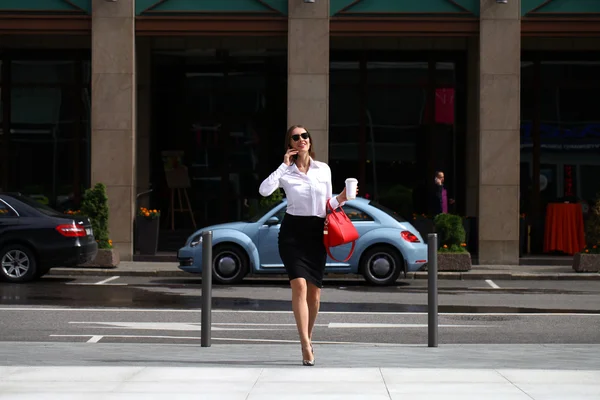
x=388 y=211
x=262 y=211
x=39 y=206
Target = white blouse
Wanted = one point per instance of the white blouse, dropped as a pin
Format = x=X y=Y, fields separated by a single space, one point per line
x=306 y=194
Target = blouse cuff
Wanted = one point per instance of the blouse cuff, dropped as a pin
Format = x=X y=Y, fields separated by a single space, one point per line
x=335 y=203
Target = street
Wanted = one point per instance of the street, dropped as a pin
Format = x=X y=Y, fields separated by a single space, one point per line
x=138 y=337
x=167 y=310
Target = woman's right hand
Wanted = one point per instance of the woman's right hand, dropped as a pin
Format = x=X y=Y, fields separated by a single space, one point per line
x=287 y=158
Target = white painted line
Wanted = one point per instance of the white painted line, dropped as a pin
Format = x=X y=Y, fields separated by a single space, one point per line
x=240 y=340
x=175 y=326
x=95 y=339
x=351 y=325
x=112 y=278
x=191 y=326
x=93 y=284
x=224 y=311
x=492 y=284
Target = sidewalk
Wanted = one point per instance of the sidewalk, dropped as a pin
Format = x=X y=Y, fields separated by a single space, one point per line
x=478 y=272
x=134 y=371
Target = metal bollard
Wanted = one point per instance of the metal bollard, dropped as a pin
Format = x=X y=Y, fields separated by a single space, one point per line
x=205 y=327
x=432 y=289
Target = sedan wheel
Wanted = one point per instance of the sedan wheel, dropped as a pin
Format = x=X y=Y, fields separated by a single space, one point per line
x=230 y=264
x=17 y=264
x=381 y=265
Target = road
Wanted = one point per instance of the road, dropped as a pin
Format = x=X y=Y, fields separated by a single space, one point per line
x=106 y=310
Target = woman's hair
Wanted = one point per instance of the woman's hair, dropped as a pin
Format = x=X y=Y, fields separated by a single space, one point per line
x=288 y=140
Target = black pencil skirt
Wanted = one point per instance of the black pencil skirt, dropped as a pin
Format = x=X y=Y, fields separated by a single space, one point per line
x=301 y=248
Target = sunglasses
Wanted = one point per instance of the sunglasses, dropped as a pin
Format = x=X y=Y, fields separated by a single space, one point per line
x=296 y=137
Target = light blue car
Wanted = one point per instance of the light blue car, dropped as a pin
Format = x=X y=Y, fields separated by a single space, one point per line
x=388 y=246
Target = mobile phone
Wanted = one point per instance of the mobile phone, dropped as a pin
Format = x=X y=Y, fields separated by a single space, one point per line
x=295 y=156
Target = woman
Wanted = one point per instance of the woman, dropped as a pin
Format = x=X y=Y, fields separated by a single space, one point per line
x=307 y=185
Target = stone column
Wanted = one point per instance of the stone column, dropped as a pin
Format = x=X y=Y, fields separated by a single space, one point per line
x=499 y=79
x=113 y=114
x=308 y=70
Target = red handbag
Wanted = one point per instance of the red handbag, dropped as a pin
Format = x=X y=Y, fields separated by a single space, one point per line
x=338 y=230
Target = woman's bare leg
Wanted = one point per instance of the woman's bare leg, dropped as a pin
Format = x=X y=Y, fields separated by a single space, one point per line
x=301 y=314
x=313 y=299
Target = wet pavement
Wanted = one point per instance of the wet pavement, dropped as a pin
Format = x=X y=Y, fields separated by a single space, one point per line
x=273 y=295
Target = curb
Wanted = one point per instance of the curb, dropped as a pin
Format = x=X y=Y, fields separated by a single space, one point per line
x=471 y=275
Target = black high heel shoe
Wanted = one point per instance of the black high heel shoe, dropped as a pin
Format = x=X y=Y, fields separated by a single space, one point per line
x=309 y=363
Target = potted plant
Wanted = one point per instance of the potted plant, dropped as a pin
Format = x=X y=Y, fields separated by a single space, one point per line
x=147 y=225
x=588 y=260
x=94 y=205
x=452 y=251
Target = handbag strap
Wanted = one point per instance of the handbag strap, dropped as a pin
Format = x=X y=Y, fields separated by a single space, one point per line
x=347 y=258
x=329 y=208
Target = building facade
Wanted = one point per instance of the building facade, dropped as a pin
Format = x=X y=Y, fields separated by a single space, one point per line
x=500 y=96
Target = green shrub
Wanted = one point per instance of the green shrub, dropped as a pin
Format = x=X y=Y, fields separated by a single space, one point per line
x=592 y=228
x=269 y=201
x=451 y=233
x=94 y=205
x=265 y=203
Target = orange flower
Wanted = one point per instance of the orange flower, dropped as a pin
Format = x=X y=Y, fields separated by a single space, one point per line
x=445 y=246
x=595 y=247
x=587 y=251
x=463 y=245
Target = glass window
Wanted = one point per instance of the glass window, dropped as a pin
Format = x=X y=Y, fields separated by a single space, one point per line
x=40 y=206
x=281 y=213
x=344 y=134
x=226 y=112
x=356 y=215
x=590 y=182
x=42 y=72
x=561 y=72
x=569 y=134
x=387 y=210
x=397 y=73
x=5 y=210
x=344 y=72
x=49 y=130
x=385 y=128
x=527 y=74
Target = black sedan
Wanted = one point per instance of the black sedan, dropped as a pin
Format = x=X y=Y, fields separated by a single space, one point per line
x=35 y=238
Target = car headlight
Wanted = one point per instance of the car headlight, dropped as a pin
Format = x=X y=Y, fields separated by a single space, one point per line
x=196 y=240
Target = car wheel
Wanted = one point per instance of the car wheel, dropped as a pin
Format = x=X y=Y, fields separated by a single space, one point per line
x=17 y=264
x=381 y=265
x=230 y=264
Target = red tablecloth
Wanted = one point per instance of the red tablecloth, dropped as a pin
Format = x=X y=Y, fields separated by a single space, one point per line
x=564 y=228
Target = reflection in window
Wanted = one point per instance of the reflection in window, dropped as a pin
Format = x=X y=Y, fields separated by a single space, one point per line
x=356 y=215
x=344 y=122
x=386 y=129
x=558 y=106
x=6 y=211
x=49 y=131
x=224 y=110
x=42 y=72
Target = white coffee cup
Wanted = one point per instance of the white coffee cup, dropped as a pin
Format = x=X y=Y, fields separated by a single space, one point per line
x=351 y=185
